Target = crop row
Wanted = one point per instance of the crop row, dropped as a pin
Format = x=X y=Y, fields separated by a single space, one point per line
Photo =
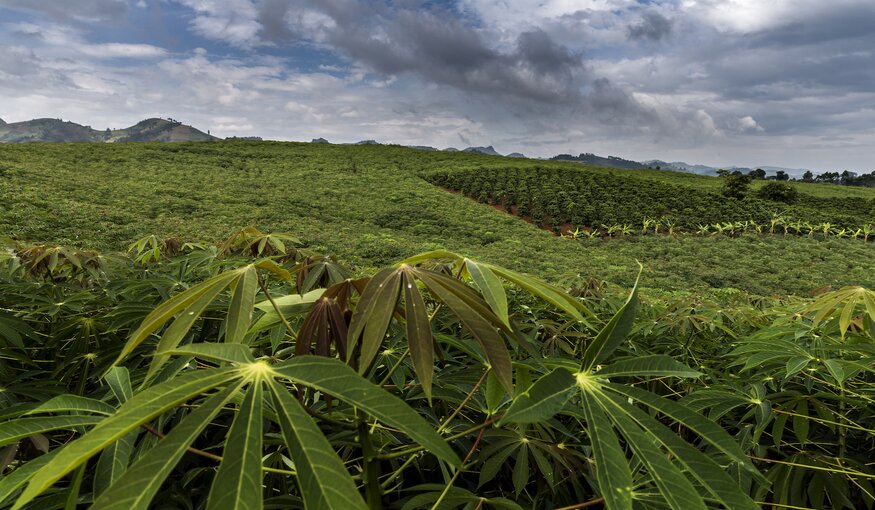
x=557 y=196
x=777 y=225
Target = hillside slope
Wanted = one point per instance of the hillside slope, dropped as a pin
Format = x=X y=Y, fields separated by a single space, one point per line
x=57 y=130
x=371 y=205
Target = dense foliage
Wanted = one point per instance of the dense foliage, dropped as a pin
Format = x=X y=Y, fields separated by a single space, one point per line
x=259 y=374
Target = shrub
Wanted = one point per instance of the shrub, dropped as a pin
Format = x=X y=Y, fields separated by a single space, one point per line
x=736 y=185
x=778 y=192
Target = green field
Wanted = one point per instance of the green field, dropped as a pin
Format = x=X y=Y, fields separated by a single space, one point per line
x=372 y=205
x=198 y=367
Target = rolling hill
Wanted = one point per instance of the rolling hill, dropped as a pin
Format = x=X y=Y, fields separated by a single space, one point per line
x=57 y=130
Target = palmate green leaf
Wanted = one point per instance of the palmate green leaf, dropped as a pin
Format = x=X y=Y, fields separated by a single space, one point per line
x=490 y=288
x=673 y=485
x=657 y=365
x=241 y=306
x=333 y=377
x=230 y=353
x=709 y=431
x=74 y=404
x=173 y=306
x=542 y=400
x=14 y=430
x=136 y=411
x=292 y=304
x=611 y=467
x=477 y=318
x=614 y=332
x=323 y=481
x=372 y=315
x=135 y=489
x=237 y=485
x=419 y=336
x=703 y=468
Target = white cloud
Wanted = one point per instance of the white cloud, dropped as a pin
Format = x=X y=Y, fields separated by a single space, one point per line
x=747 y=124
x=232 y=21
x=747 y=16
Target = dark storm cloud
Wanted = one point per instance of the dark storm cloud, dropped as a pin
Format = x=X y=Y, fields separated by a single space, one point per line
x=71 y=11
x=653 y=26
x=434 y=45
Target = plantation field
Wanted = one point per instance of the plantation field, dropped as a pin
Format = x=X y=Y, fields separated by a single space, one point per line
x=372 y=205
x=423 y=366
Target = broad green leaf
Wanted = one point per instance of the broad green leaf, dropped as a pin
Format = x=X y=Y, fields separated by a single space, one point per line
x=74 y=404
x=173 y=306
x=292 y=304
x=113 y=462
x=657 y=365
x=138 y=410
x=323 y=481
x=477 y=321
x=611 y=467
x=835 y=370
x=273 y=267
x=372 y=315
x=237 y=485
x=490 y=288
x=419 y=336
x=614 y=332
x=14 y=430
x=673 y=485
x=796 y=364
x=228 y=352
x=542 y=400
x=335 y=378
x=176 y=332
x=119 y=381
x=139 y=484
x=494 y=392
x=241 y=306
x=549 y=293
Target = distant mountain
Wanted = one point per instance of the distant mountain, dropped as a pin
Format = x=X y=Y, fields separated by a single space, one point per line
x=422 y=147
x=451 y=149
x=516 y=155
x=319 y=140
x=592 y=159
x=680 y=166
x=57 y=130
x=368 y=142
x=489 y=151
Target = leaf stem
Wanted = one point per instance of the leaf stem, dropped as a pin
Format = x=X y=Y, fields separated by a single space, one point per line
x=276 y=307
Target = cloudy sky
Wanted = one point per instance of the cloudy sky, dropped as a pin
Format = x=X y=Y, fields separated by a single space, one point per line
x=746 y=82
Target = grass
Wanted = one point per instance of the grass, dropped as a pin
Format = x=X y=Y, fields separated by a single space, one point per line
x=369 y=205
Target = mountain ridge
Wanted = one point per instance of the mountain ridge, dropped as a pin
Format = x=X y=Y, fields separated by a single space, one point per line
x=57 y=130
